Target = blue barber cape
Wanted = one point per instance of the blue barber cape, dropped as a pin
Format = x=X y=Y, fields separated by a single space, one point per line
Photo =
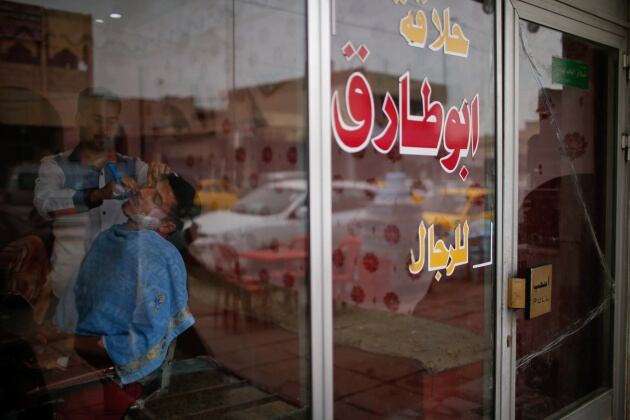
x=131 y=290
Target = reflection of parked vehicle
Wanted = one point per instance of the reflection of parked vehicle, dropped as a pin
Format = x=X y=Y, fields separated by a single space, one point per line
x=216 y=194
x=454 y=205
x=273 y=215
x=21 y=184
x=387 y=229
x=17 y=198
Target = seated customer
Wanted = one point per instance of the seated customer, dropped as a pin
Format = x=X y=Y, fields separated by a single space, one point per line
x=130 y=291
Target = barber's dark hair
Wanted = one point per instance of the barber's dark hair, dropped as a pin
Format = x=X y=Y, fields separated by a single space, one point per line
x=187 y=202
x=97 y=94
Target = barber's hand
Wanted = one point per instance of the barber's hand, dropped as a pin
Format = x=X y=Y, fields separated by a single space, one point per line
x=156 y=170
x=98 y=195
x=128 y=183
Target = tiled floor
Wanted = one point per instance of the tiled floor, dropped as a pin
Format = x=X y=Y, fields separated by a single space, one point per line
x=366 y=385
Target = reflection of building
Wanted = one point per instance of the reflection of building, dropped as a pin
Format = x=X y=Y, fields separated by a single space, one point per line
x=47 y=51
x=262 y=130
x=45 y=61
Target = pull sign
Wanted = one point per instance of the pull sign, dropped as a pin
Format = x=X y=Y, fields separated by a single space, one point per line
x=538 y=291
x=625 y=146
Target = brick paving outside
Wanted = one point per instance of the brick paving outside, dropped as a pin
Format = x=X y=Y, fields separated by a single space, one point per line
x=366 y=385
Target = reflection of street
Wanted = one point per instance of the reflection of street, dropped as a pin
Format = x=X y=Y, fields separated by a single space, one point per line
x=388 y=228
x=379 y=356
x=272 y=220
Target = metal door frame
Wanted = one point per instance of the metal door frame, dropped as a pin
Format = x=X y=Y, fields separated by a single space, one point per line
x=564 y=18
x=320 y=210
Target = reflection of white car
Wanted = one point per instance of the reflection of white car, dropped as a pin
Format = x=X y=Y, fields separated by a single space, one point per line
x=17 y=198
x=275 y=215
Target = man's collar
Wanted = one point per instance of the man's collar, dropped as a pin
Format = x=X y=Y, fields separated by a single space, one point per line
x=75 y=156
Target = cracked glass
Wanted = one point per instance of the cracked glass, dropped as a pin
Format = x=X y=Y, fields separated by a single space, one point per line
x=565 y=217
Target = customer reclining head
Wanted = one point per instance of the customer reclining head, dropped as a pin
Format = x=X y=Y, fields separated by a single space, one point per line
x=130 y=292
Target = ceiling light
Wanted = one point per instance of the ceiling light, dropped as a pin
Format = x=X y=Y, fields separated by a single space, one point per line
x=99 y=21
x=115 y=15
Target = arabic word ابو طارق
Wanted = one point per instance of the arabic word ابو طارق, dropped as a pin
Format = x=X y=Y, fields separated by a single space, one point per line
x=457 y=130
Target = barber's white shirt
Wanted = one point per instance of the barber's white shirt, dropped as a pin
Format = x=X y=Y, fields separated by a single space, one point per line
x=60 y=193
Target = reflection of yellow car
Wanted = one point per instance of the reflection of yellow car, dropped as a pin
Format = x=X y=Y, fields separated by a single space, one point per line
x=454 y=205
x=216 y=194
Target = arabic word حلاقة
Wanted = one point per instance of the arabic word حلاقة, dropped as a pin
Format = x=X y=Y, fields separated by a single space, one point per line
x=451 y=39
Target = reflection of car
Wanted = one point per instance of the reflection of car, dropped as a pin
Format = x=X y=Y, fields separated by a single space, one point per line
x=216 y=194
x=21 y=184
x=17 y=198
x=454 y=205
x=281 y=176
x=274 y=215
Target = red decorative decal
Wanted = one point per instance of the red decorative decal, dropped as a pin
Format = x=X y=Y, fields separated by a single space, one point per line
x=363 y=52
x=357 y=295
x=288 y=280
x=347 y=50
x=463 y=173
x=574 y=145
x=370 y=262
x=267 y=154
x=338 y=258
x=391 y=301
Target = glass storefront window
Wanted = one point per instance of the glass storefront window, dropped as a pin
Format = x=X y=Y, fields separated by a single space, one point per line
x=413 y=126
x=154 y=209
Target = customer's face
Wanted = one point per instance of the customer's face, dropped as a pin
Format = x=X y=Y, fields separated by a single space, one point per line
x=155 y=202
x=98 y=123
x=152 y=200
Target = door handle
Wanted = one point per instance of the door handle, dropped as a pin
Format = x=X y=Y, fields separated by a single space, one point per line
x=516 y=293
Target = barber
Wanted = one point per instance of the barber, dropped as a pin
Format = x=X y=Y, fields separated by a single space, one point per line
x=82 y=190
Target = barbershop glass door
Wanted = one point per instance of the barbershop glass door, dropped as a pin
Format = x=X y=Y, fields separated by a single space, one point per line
x=566 y=222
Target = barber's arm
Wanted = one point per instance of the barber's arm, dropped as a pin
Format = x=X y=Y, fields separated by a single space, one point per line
x=51 y=197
